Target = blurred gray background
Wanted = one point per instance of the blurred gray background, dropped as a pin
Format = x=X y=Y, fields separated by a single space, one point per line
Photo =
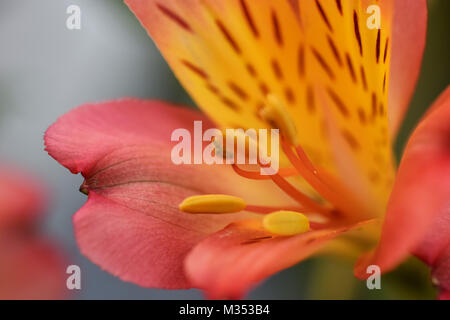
x=46 y=70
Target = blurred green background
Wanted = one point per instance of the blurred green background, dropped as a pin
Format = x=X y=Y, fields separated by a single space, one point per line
x=46 y=70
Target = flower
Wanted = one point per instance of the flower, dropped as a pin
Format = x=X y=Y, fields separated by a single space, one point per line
x=420 y=202
x=31 y=266
x=311 y=69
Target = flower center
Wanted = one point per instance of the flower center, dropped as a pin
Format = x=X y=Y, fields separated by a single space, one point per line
x=336 y=204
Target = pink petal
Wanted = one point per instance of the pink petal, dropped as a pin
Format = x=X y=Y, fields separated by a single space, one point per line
x=78 y=139
x=136 y=247
x=21 y=198
x=31 y=268
x=229 y=262
x=417 y=218
x=408 y=44
x=131 y=225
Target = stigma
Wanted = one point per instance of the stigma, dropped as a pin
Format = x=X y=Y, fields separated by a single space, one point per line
x=212 y=203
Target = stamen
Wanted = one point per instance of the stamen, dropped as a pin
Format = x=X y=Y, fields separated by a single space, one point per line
x=267 y=209
x=275 y=112
x=306 y=169
x=256 y=175
x=212 y=203
x=286 y=223
x=298 y=196
x=324 y=183
x=284 y=185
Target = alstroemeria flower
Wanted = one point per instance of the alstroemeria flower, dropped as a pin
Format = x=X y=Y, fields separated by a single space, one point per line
x=337 y=91
x=31 y=267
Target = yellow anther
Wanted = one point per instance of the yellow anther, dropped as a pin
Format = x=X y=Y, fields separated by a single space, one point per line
x=212 y=203
x=286 y=223
x=275 y=112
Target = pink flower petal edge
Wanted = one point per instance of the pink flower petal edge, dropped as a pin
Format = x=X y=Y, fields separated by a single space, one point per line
x=418 y=214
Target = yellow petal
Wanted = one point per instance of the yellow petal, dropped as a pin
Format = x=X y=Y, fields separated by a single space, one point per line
x=322 y=62
x=349 y=66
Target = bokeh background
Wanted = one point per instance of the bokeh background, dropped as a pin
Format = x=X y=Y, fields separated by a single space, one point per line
x=46 y=70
